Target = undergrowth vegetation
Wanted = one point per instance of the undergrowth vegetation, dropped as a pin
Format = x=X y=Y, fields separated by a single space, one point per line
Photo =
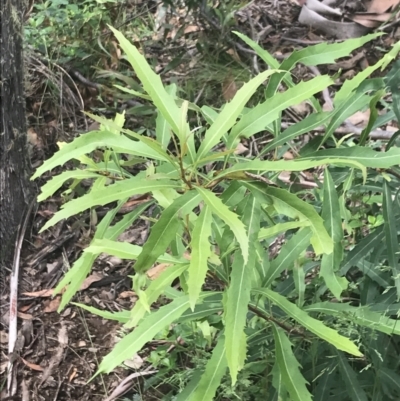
x=318 y=319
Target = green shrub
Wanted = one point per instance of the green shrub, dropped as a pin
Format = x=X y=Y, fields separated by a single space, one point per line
x=224 y=210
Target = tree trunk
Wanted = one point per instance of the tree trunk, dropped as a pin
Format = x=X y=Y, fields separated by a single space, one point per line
x=15 y=187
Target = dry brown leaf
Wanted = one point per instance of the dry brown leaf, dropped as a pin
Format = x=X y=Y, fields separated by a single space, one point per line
x=370 y=20
x=191 y=28
x=360 y=118
x=234 y=54
x=33 y=366
x=229 y=88
x=24 y=316
x=240 y=149
x=90 y=280
x=53 y=305
x=41 y=293
x=3 y=337
x=127 y=294
x=380 y=6
x=155 y=271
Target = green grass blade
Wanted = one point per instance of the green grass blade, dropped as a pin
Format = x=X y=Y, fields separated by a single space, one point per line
x=230 y=218
x=315 y=326
x=293 y=380
x=390 y=228
x=201 y=251
x=354 y=389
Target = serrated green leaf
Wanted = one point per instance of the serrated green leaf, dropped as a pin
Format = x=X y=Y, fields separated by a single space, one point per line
x=213 y=374
x=201 y=251
x=227 y=117
x=153 y=291
x=390 y=228
x=290 y=205
x=293 y=380
x=269 y=232
x=56 y=182
x=353 y=387
x=90 y=141
x=361 y=315
x=145 y=332
x=230 y=218
x=309 y=123
x=163 y=128
x=238 y=297
x=102 y=196
x=124 y=250
x=330 y=264
x=265 y=113
x=365 y=156
x=162 y=233
x=350 y=106
x=315 y=326
x=152 y=84
x=121 y=316
x=288 y=254
x=301 y=164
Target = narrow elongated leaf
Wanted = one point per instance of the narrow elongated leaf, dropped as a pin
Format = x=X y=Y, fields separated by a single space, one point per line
x=269 y=232
x=145 y=332
x=154 y=290
x=152 y=84
x=293 y=380
x=163 y=128
x=330 y=264
x=353 y=104
x=353 y=387
x=392 y=242
x=238 y=297
x=230 y=218
x=265 y=113
x=301 y=164
x=201 y=251
x=366 y=156
x=290 y=205
x=363 y=249
x=81 y=267
x=288 y=254
x=162 y=233
x=212 y=376
x=227 y=117
x=309 y=123
x=315 y=326
x=56 y=182
x=121 y=316
x=360 y=315
x=127 y=251
x=119 y=190
x=93 y=140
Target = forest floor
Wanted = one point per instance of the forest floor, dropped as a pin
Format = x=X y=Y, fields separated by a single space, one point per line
x=59 y=352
